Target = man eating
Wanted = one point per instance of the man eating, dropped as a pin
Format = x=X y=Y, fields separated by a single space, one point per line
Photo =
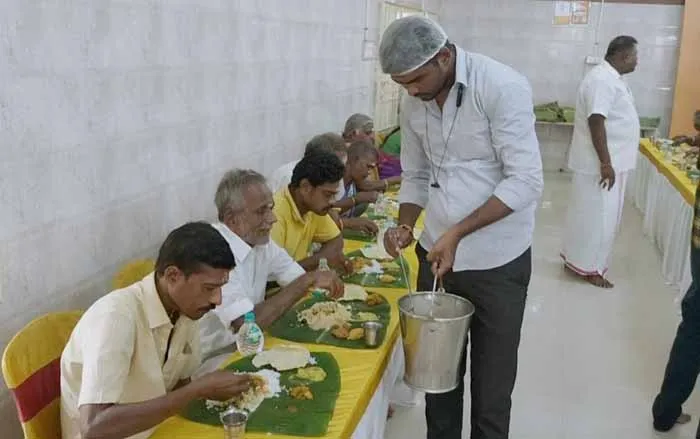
x=326 y=142
x=126 y=366
x=359 y=127
x=362 y=158
x=302 y=211
x=245 y=210
x=330 y=143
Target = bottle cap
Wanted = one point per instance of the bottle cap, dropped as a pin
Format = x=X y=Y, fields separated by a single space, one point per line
x=249 y=317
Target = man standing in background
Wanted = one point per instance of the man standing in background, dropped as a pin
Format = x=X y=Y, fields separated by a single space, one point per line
x=603 y=152
x=471 y=159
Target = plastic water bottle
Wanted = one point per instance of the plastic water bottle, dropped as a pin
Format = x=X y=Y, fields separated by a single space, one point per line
x=380 y=205
x=322 y=266
x=250 y=339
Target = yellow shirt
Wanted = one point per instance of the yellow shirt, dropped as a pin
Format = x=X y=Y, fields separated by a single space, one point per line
x=116 y=354
x=295 y=233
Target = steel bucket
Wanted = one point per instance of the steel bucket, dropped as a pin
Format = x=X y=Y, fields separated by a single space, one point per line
x=434 y=328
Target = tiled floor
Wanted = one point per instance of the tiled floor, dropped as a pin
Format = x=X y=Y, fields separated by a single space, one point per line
x=591 y=360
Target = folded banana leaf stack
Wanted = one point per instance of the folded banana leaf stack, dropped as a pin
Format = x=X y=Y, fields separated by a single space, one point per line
x=553 y=112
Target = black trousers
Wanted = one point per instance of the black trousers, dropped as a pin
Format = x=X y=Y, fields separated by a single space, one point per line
x=684 y=360
x=499 y=297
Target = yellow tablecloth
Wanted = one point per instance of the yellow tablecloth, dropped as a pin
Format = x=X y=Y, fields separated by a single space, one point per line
x=360 y=371
x=678 y=178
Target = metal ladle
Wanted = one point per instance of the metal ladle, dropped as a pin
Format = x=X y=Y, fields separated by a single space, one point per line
x=402 y=263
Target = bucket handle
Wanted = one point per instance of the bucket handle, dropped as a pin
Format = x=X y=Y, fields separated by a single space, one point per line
x=440 y=290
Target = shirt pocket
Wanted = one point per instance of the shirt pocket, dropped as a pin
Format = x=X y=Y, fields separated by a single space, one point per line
x=470 y=184
x=471 y=137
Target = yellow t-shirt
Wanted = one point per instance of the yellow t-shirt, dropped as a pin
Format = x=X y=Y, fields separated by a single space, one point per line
x=295 y=233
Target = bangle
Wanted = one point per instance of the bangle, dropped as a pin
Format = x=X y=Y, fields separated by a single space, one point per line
x=406 y=227
x=606 y=165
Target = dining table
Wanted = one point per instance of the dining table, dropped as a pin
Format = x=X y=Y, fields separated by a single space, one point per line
x=367 y=375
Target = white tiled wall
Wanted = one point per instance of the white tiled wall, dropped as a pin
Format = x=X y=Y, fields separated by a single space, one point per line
x=520 y=33
x=118 y=117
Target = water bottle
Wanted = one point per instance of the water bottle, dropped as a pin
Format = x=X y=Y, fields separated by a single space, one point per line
x=322 y=266
x=250 y=338
x=380 y=205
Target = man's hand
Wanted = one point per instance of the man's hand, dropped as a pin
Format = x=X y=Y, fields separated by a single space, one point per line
x=442 y=255
x=222 y=385
x=363 y=225
x=397 y=239
x=682 y=139
x=339 y=261
x=607 y=176
x=329 y=281
x=367 y=197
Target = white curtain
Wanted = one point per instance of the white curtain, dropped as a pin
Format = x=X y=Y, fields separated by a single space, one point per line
x=667 y=221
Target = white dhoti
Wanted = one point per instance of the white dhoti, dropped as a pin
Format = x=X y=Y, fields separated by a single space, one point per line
x=593 y=218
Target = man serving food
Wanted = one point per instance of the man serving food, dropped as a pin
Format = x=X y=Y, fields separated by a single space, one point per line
x=471 y=160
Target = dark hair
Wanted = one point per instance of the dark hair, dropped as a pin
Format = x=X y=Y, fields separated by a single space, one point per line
x=620 y=44
x=319 y=168
x=327 y=142
x=193 y=245
x=361 y=148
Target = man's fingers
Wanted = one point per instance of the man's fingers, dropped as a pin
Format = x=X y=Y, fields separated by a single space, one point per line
x=435 y=268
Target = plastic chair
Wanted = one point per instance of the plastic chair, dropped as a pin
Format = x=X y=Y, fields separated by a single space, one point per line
x=31 y=366
x=132 y=272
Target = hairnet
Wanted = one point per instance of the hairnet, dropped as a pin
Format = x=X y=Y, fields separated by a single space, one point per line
x=360 y=122
x=410 y=42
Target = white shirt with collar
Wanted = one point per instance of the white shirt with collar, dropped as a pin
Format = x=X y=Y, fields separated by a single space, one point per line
x=255 y=266
x=493 y=151
x=117 y=354
x=603 y=91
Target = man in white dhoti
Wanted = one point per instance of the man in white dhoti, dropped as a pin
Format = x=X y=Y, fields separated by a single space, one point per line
x=603 y=152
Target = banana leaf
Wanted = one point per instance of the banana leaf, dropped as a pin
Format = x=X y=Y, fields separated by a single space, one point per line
x=649 y=122
x=283 y=414
x=373 y=280
x=356 y=235
x=288 y=327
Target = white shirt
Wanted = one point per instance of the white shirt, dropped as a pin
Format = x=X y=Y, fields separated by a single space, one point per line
x=282 y=176
x=116 y=354
x=604 y=92
x=493 y=151
x=255 y=266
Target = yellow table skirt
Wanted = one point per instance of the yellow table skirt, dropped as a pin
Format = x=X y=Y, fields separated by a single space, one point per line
x=678 y=178
x=360 y=374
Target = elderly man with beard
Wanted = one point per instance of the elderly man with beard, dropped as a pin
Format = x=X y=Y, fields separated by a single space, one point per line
x=245 y=209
